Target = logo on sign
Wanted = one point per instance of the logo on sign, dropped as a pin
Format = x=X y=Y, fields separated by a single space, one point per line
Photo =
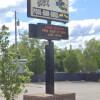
x=63 y=7
x=43 y=3
x=59 y=3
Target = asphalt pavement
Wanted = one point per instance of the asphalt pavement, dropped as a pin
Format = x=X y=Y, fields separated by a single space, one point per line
x=84 y=90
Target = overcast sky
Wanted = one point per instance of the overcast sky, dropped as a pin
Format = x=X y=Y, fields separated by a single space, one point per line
x=84 y=20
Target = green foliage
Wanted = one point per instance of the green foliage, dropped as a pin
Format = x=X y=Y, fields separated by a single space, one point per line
x=90 y=65
x=60 y=54
x=11 y=82
x=87 y=60
x=36 y=62
x=71 y=62
x=92 y=55
x=25 y=46
x=76 y=60
x=80 y=58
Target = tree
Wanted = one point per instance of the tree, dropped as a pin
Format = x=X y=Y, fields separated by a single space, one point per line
x=71 y=62
x=11 y=83
x=36 y=62
x=80 y=58
x=92 y=55
x=25 y=46
x=90 y=65
x=60 y=54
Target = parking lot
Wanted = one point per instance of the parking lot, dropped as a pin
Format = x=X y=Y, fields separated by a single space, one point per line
x=84 y=90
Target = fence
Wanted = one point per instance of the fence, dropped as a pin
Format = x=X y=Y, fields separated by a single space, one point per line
x=62 y=76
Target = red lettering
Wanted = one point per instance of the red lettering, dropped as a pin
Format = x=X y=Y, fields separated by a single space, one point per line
x=59 y=28
x=48 y=27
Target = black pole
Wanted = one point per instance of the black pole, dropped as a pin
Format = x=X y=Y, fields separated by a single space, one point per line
x=49 y=55
x=49 y=22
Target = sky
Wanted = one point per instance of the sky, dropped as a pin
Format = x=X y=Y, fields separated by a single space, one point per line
x=84 y=21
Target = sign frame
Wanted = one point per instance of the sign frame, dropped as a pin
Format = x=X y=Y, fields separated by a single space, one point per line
x=59 y=19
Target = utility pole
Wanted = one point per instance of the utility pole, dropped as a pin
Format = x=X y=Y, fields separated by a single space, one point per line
x=15 y=31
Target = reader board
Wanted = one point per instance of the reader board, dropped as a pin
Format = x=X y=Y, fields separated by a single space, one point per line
x=49 y=32
x=56 y=10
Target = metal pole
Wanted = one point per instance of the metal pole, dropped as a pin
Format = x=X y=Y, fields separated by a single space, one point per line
x=15 y=31
x=49 y=54
x=49 y=22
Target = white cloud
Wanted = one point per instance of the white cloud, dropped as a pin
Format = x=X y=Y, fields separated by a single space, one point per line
x=71 y=9
x=84 y=27
x=35 y=21
x=20 y=29
x=79 y=31
x=84 y=30
x=12 y=39
x=79 y=38
x=87 y=38
x=8 y=7
x=96 y=27
x=71 y=2
x=10 y=14
x=7 y=3
x=11 y=25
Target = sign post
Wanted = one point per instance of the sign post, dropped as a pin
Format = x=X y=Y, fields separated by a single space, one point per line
x=49 y=65
x=49 y=55
x=51 y=10
x=56 y=10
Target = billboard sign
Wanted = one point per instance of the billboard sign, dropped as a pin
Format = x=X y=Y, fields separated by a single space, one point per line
x=50 y=32
x=56 y=10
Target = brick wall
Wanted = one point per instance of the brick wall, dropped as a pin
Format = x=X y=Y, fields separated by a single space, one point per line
x=59 y=96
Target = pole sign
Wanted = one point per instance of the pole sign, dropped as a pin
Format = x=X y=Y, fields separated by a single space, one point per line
x=56 y=10
x=50 y=32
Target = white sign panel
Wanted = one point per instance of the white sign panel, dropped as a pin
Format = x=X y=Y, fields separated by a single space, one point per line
x=48 y=9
